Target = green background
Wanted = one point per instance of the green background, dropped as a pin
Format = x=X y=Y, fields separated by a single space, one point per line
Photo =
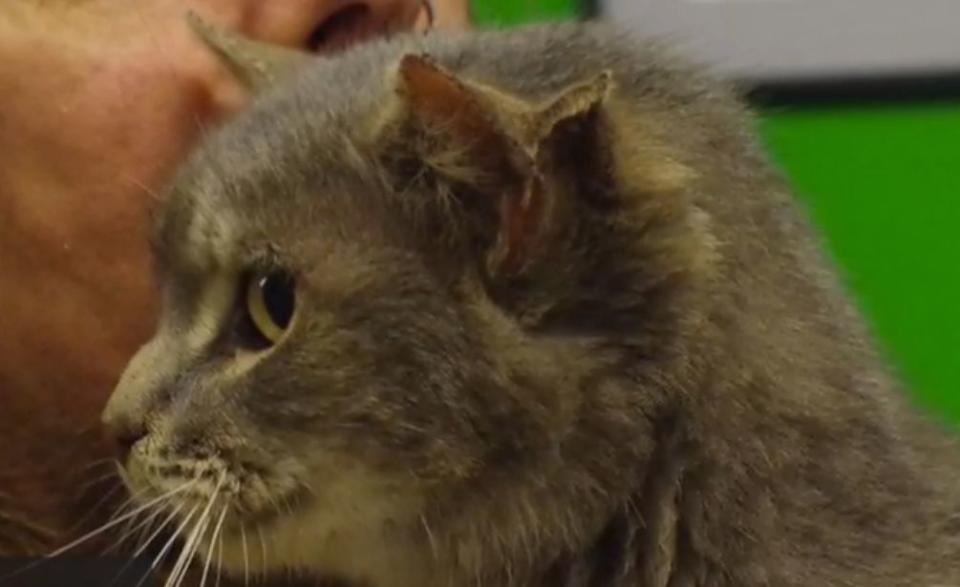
x=883 y=183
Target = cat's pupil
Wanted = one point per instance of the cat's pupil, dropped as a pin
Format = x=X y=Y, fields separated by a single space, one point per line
x=278 y=297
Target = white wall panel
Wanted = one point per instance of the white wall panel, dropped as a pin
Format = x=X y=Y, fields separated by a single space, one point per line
x=777 y=39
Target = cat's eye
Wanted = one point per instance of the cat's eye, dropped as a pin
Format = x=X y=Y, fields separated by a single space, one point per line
x=270 y=301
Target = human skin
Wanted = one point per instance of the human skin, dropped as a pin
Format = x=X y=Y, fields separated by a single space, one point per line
x=99 y=101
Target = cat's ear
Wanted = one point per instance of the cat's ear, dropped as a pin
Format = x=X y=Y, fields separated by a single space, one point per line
x=256 y=65
x=495 y=142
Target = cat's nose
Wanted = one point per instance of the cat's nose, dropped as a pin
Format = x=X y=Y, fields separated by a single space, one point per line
x=326 y=25
x=124 y=433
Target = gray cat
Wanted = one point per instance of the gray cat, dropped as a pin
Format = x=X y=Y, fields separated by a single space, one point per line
x=522 y=308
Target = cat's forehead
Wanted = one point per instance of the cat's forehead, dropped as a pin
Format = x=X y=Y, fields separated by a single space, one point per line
x=195 y=231
x=301 y=154
x=264 y=187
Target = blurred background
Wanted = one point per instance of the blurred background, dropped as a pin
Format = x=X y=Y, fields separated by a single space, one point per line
x=859 y=104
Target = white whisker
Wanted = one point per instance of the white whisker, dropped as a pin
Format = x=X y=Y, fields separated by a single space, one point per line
x=146 y=528
x=97 y=463
x=169 y=544
x=166 y=547
x=132 y=522
x=129 y=531
x=107 y=496
x=143 y=527
x=127 y=527
x=189 y=550
x=112 y=523
x=263 y=552
x=183 y=560
x=246 y=559
x=430 y=539
x=98 y=479
x=146 y=189
x=219 y=559
x=156 y=532
x=309 y=488
x=213 y=541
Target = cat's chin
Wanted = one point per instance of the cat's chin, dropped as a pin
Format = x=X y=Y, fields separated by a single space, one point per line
x=369 y=547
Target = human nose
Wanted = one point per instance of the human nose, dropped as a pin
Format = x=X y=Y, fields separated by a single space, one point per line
x=327 y=25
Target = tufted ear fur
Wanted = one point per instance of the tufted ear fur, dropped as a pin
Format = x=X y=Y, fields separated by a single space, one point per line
x=495 y=143
x=257 y=65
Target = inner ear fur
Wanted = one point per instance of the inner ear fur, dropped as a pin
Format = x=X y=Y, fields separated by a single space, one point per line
x=491 y=141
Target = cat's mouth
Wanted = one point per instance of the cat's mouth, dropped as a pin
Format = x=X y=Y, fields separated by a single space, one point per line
x=195 y=503
x=239 y=505
x=263 y=520
x=242 y=518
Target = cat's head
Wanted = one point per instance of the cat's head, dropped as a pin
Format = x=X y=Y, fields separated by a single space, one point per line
x=390 y=314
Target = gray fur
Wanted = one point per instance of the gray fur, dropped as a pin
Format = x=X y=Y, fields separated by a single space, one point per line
x=673 y=392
